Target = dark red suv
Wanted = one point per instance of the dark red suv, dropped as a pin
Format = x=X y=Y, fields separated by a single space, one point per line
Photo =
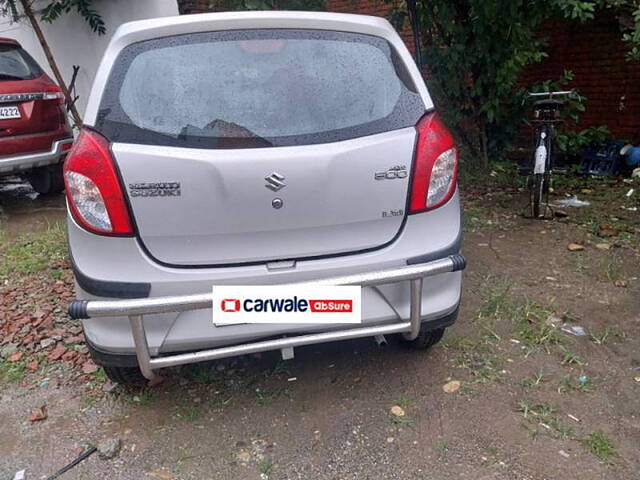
x=34 y=132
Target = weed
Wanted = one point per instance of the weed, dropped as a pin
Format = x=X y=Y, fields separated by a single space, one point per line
x=12 y=371
x=466 y=389
x=400 y=420
x=601 y=446
x=89 y=401
x=496 y=303
x=100 y=375
x=535 y=380
x=221 y=402
x=181 y=459
x=191 y=414
x=404 y=402
x=265 y=397
x=570 y=358
x=442 y=447
x=145 y=397
x=539 y=335
x=204 y=375
x=607 y=334
x=266 y=467
x=580 y=384
x=612 y=272
x=540 y=418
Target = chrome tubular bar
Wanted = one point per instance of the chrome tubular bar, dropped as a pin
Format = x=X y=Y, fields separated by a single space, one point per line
x=136 y=308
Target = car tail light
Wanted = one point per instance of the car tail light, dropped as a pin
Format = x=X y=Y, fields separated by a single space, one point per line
x=94 y=194
x=436 y=165
x=53 y=92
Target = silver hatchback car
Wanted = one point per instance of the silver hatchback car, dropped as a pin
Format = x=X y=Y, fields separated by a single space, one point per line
x=258 y=148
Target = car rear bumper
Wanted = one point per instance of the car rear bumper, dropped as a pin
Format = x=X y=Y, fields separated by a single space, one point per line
x=119 y=268
x=26 y=161
x=154 y=308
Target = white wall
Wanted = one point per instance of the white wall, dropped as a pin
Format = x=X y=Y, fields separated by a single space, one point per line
x=72 y=41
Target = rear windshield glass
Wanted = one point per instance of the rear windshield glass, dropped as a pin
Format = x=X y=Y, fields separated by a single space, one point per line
x=256 y=88
x=16 y=64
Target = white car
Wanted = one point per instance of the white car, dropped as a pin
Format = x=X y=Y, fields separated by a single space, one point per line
x=258 y=148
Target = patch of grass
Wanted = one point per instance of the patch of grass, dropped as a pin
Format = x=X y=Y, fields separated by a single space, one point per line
x=100 y=375
x=32 y=253
x=265 y=397
x=571 y=358
x=12 y=372
x=145 y=397
x=612 y=272
x=475 y=218
x=89 y=401
x=204 y=376
x=266 y=467
x=496 y=304
x=442 y=447
x=601 y=446
x=608 y=334
x=535 y=380
x=189 y=413
x=221 y=401
x=579 y=384
x=400 y=420
x=404 y=402
x=538 y=336
x=466 y=389
x=541 y=419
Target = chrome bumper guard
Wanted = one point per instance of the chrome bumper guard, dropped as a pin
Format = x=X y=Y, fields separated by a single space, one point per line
x=135 y=309
x=32 y=160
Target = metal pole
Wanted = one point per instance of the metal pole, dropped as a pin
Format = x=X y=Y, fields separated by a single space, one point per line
x=415 y=313
x=142 y=346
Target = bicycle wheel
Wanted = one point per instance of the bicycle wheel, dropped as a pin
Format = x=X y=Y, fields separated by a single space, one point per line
x=536 y=194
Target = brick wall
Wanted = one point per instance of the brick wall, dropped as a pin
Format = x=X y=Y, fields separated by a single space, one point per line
x=596 y=55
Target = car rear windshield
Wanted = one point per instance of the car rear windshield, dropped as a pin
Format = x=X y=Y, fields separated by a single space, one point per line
x=16 y=64
x=257 y=88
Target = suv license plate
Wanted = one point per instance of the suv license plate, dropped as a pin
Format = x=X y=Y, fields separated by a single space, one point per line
x=9 y=112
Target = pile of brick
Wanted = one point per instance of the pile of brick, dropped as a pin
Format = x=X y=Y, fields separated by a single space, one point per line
x=35 y=328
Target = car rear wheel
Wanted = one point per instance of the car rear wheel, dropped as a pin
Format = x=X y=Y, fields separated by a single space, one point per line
x=130 y=376
x=425 y=339
x=47 y=180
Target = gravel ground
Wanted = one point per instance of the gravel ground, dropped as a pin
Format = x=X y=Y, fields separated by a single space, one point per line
x=506 y=395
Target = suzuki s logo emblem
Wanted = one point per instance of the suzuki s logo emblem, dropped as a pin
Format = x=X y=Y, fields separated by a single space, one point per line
x=275 y=182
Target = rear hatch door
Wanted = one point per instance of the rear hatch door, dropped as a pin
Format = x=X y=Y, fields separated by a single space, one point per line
x=261 y=145
x=29 y=101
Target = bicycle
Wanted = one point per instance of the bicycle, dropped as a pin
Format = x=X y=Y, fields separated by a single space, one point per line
x=546 y=113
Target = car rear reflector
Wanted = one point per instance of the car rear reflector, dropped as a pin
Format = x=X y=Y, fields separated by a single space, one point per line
x=436 y=165
x=94 y=193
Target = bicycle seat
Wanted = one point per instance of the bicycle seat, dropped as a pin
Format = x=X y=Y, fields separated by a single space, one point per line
x=549 y=103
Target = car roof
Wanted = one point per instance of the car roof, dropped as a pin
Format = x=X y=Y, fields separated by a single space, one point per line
x=9 y=41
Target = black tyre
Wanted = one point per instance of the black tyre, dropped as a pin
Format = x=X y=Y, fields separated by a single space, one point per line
x=129 y=376
x=46 y=180
x=425 y=339
x=57 y=180
x=537 y=194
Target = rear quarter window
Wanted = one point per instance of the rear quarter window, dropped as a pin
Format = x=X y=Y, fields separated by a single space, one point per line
x=256 y=88
x=16 y=64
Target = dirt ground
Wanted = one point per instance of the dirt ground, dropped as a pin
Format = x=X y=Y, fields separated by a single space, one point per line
x=533 y=401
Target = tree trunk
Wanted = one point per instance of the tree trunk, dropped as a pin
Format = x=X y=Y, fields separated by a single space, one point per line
x=52 y=63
